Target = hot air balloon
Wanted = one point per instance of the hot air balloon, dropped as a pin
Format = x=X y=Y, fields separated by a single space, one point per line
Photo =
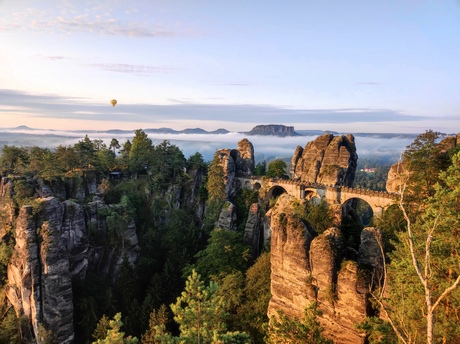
x=113 y=102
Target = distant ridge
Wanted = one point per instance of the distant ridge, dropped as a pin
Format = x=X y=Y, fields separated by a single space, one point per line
x=23 y=127
x=185 y=131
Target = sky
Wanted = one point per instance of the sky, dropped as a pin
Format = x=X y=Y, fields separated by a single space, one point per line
x=348 y=66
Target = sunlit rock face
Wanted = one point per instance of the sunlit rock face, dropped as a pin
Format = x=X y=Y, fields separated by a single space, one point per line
x=307 y=267
x=39 y=281
x=329 y=160
x=236 y=163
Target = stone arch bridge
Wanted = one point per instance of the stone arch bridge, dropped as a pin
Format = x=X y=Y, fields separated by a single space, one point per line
x=379 y=201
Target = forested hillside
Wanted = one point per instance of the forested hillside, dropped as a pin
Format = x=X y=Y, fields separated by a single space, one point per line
x=144 y=245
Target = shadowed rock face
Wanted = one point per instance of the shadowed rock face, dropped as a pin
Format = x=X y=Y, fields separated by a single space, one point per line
x=307 y=268
x=51 y=247
x=227 y=217
x=253 y=230
x=329 y=159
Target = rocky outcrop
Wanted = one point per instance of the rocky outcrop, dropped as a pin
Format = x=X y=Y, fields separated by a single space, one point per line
x=236 y=163
x=291 y=280
x=52 y=246
x=6 y=205
x=329 y=160
x=227 y=217
x=244 y=158
x=307 y=268
x=39 y=282
x=253 y=230
x=273 y=130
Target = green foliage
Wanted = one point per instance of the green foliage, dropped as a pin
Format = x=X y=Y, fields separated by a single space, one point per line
x=424 y=263
x=424 y=160
x=318 y=215
x=231 y=289
x=243 y=200
x=9 y=324
x=196 y=161
x=252 y=312
x=124 y=288
x=115 y=335
x=157 y=326
x=102 y=328
x=260 y=169
x=295 y=331
x=93 y=298
x=199 y=311
x=125 y=152
x=63 y=161
x=167 y=165
x=372 y=180
x=6 y=250
x=165 y=250
x=45 y=336
x=226 y=253
x=141 y=152
x=114 y=145
x=85 y=150
x=118 y=218
x=216 y=184
x=277 y=169
x=14 y=160
x=377 y=331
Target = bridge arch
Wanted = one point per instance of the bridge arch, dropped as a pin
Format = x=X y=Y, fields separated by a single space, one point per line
x=376 y=200
x=273 y=193
x=311 y=195
x=361 y=209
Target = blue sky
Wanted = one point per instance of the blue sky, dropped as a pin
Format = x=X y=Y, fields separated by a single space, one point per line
x=348 y=66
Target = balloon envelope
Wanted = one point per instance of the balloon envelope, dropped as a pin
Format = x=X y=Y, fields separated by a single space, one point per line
x=113 y=102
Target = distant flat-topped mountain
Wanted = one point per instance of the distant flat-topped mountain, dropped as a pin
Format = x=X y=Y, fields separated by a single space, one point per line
x=273 y=130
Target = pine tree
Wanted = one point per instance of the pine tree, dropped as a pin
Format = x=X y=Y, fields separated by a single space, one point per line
x=294 y=331
x=140 y=153
x=198 y=311
x=216 y=182
x=114 y=334
x=157 y=326
x=102 y=327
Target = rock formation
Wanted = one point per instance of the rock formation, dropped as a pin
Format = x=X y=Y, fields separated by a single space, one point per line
x=236 y=163
x=52 y=246
x=227 y=217
x=307 y=268
x=253 y=230
x=273 y=130
x=327 y=160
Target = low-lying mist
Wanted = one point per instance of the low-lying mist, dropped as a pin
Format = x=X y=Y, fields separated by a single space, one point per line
x=382 y=146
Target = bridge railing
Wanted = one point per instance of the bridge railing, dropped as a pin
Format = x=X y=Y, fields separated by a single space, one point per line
x=358 y=191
